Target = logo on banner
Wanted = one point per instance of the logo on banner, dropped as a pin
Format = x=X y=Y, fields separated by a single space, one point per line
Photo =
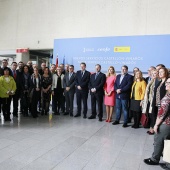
x=121 y=49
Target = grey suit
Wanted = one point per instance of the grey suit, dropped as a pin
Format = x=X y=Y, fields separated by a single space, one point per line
x=69 y=95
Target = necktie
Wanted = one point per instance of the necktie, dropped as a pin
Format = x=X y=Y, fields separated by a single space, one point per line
x=82 y=74
x=15 y=75
x=96 y=75
x=69 y=76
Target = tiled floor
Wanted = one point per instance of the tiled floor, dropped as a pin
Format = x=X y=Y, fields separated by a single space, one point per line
x=67 y=143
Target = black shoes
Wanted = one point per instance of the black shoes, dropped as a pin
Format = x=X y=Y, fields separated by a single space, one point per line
x=135 y=126
x=100 y=119
x=125 y=125
x=77 y=115
x=66 y=113
x=56 y=113
x=115 y=122
x=84 y=116
x=92 y=117
x=150 y=162
x=163 y=166
x=71 y=114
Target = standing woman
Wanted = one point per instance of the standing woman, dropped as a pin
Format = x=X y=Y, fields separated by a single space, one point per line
x=7 y=89
x=137 y=94
x=148 y=100
x=35 y=92
x=25 y=86
x=162 y=129
x=159 y=92
x=57 y=90
x=110 y=94
x=46 y=91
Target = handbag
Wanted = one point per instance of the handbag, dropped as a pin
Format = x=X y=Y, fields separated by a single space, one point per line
x=144 y=120
x=166 y=153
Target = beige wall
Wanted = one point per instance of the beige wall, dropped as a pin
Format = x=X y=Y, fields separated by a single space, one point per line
x=36 y=23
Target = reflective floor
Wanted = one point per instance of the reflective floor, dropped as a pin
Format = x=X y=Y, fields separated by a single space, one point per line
x=67 y=143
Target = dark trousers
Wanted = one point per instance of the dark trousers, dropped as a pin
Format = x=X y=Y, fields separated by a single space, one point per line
x=99 y=99
x=34 y=103
x=53 y=103
x=164 y=133
x=57 y=99
x=69 y=96
x=137 y=117
x=24 y=103
x=63 y=103
x=15 y=103
x=154 y=116
x=81 y=95
x=6 y=105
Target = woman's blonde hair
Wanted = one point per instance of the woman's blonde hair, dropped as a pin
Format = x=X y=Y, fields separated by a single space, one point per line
x=111 y=67
x=140 y=75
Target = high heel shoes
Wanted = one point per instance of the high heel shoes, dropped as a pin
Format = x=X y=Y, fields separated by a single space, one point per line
x=107 y=120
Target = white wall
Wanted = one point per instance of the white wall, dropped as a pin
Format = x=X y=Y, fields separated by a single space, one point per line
x=36 y=23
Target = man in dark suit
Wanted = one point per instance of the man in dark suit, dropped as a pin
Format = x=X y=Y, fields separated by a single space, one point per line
x=122 y=87
x=17 y=77
x=31 y=70
x=4 y=65
x=97 y=81
x=82 y=81
x=148 y=79
x=69 y=89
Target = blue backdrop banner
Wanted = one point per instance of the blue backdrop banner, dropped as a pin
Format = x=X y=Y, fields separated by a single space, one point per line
x=133 y=51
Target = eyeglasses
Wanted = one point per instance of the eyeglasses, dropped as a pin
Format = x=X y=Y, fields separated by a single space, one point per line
x=167 y=82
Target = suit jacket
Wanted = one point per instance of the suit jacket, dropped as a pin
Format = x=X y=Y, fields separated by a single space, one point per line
x=54 y=82
x=97 y=83
x=18 y=79
x=147 y=80
x=69 y=82
x=125 y=86
x=83 y=82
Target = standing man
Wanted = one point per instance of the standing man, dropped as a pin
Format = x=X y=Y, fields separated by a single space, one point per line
x=82 y=80
x=122 y=87
x=148 y=79
x=63 y=97
x=20 y=66
x=31 y=70
x=69 y=90
x=66 y=68
x=4 y=65
x=17 y=77
x=62 y=69
x=53 y=71
x=96 y=84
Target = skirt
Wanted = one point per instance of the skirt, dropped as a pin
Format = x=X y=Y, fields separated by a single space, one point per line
x=135 y=105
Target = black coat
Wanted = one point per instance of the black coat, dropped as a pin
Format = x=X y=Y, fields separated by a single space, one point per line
x=97 y=83
x=83 y=82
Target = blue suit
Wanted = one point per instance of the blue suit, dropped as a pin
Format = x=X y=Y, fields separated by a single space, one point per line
x=122 y=98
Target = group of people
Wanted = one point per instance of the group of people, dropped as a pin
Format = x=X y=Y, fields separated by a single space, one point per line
x=131 y=95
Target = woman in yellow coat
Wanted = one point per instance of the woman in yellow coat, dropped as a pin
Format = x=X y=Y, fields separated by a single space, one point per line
x=7 y=89
x=137 y=95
